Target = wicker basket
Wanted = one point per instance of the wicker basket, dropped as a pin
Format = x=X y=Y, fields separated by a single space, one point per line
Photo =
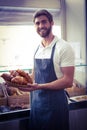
x=3 y=99
x=21 y=101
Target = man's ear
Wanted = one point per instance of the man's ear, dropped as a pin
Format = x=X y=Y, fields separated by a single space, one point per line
x=52 y=23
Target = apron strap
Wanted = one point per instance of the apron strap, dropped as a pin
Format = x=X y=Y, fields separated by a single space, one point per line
x=52 y=54
x=36 y=50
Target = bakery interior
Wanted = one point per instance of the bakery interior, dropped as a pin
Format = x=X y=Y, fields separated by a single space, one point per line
x=16 y=32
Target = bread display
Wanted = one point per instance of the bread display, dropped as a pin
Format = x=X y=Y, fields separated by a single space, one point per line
x=18 y=77
x=13 y=98
x=17 y=98
x=12 y=91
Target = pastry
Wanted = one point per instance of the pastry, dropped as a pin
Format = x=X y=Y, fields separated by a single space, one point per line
x=6 y=76
x=13 y=73
x=19 y=80
x=25 y=75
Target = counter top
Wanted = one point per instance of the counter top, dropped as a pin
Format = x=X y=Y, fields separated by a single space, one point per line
x=24 y=113
x=13 y=115
x=77 y=105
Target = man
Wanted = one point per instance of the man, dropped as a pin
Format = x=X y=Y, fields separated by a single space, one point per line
x=53 y=72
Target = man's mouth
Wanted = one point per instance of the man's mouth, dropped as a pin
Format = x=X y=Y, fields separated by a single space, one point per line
x=42 y=30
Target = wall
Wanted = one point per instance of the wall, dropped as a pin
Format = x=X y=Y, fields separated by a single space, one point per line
x=75 y=17
x=76 y=33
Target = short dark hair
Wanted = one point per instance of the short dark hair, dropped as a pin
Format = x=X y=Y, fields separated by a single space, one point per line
x=43 y=12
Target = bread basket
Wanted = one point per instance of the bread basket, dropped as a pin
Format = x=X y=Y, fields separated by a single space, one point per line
x=20 y=100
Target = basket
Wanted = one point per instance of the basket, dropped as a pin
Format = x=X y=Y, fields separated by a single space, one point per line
x=15 y=100
x=21 y=101
x=3 y=99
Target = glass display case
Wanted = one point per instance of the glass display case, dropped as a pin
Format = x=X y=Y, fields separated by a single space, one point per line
x=20 y=117
x=77 y=91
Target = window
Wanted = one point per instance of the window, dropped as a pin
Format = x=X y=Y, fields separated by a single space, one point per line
x=17 y=45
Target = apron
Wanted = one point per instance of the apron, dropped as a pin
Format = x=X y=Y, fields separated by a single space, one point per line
x=49 y=108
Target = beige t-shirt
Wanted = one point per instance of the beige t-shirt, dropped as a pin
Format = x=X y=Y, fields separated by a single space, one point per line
x=63 y=55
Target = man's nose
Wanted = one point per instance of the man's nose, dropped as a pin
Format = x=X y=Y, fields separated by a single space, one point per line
x=41 y=25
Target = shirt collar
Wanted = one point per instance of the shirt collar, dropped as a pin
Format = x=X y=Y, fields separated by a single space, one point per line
x=52 y=43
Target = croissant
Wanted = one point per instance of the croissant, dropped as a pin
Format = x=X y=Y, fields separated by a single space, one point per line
x=19 y=80
x=6 y=76
x=25 y=75
x=13 y=73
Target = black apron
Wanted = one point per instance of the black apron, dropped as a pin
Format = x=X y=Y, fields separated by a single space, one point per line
x=49 y=108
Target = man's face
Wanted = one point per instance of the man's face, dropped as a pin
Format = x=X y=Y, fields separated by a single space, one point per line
x=43 y=26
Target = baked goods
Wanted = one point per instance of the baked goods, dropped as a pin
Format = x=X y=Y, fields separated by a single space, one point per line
x=79 y=98
x=6 y=76
x=12 y=91
x=19 y=77
x=17 y=98
x=19 y=80
x=13 y=73
x=25 y=75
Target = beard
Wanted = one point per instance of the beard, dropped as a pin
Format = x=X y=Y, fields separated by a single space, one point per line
x=44 y=32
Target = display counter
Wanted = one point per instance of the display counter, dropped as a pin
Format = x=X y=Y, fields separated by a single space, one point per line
x=19 y=119
x=13 y=115
x=24 y=114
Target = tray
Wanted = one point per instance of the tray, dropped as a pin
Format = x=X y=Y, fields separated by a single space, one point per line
x=79 y=98
x=14 y=84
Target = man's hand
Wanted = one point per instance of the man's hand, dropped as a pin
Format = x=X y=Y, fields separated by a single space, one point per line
x=29 y=87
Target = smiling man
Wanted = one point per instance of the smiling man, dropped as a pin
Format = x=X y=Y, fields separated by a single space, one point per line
x=53 y=72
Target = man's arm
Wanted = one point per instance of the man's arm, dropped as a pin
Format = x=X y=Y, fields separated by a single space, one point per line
x=32 y=75
x=65 y=81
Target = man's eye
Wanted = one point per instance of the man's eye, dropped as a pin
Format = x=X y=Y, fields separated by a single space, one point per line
x=44 y=21
x=37 y=23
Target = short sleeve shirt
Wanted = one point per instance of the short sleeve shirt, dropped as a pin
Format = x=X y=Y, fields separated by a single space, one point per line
x=63 y=55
